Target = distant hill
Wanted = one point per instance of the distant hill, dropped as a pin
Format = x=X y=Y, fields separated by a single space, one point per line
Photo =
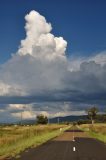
x=58 y=119
x=68 y=119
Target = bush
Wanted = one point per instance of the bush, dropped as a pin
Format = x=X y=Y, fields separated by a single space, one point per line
x=41 y=119
x=79 y=122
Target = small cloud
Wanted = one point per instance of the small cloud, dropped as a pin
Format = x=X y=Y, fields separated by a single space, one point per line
x=2 y=110
x=24 y=115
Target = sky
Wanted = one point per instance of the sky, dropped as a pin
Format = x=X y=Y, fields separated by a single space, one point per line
x=52 y=57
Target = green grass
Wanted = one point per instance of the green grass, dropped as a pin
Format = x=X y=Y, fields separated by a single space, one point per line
x=98 y=136
x=97 y=131
x=16 y=139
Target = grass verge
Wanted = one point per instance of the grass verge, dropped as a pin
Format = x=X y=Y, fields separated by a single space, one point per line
x=98 y=136
x=97 y=131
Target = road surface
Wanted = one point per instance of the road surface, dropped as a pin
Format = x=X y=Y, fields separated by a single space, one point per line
x=65 y=148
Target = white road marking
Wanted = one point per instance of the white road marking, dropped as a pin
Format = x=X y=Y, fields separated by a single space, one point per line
x=73 y=139
x=74 y=149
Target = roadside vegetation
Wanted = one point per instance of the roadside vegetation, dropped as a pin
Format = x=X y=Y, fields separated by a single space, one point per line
x=93 y=116
x=97 y=130
x=92 y=113
x=41 y=119
x=15 y=139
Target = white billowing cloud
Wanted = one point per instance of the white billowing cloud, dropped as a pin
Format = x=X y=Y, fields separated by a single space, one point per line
x=39 y=42
x=40 y=62
x=36 y=26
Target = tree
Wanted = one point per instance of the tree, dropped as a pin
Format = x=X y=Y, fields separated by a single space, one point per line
x=41 y=119
x=92 y=112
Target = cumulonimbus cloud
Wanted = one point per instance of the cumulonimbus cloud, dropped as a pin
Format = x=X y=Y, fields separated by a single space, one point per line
x=40 y=69
x=39 y=42
x=40 y=62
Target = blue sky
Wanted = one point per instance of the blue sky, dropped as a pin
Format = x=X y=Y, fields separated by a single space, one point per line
x=58 y=62
x=82 y=23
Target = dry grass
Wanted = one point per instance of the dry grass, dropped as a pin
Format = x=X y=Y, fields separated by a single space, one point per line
x=97 y=128
x=14 y=139
x=12 y=134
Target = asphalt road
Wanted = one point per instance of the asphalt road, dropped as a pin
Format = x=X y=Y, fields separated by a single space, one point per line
x=64 y=148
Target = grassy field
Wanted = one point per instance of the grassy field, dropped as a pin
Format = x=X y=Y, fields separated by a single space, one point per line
x=15 y=139
x=97 y=131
